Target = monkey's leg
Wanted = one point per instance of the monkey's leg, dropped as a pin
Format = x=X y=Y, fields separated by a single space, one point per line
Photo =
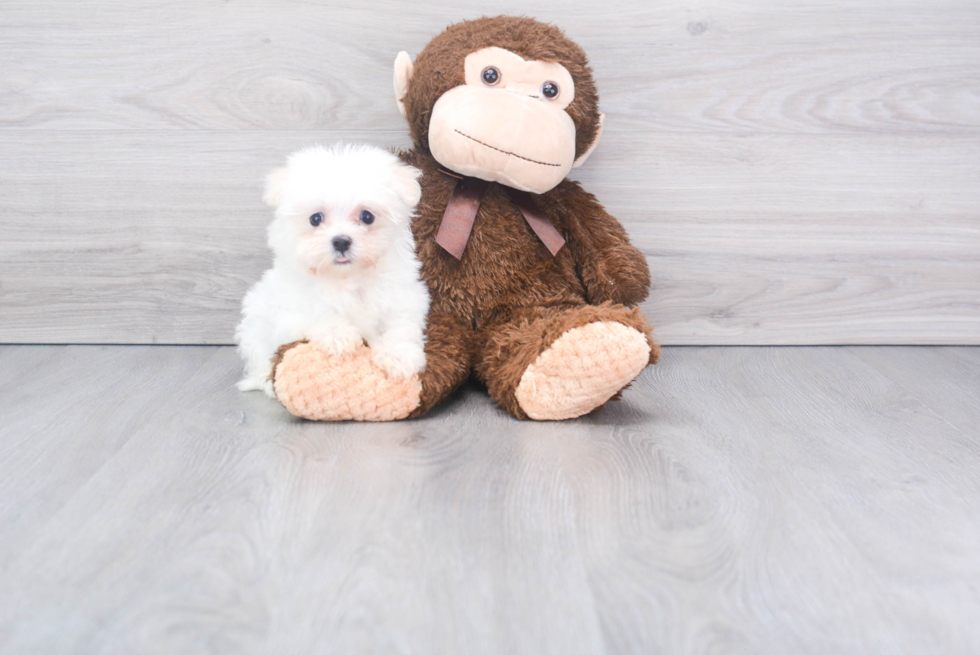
x=315 y=385
x=552 y=363
x=449 y=346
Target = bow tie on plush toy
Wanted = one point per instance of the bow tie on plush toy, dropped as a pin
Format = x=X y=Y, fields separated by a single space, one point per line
x=457 y=221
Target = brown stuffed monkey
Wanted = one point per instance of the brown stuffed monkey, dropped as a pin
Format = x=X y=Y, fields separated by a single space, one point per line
x=534 y=286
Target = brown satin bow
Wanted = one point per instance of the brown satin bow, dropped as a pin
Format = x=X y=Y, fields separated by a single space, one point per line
x=457 y=221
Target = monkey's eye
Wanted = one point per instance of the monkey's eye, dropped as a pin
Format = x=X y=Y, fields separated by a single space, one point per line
x=367 y=217
x=316 y=219
x=490 y=76
x=549 y=90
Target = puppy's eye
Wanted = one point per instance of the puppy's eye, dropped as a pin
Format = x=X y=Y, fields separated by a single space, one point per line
x=490 y=76
x=316 y=219
x=367 y=217
x=549 y=90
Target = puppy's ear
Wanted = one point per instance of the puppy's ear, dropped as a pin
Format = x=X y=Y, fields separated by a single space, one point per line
x=407 y=181
x=274 y=185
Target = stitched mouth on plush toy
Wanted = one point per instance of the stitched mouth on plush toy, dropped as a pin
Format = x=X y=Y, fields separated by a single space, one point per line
x=512 y=154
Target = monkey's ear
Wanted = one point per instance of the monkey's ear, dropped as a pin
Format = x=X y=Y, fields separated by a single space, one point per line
x=273 y=186
x=585 y=155
x=403 y=74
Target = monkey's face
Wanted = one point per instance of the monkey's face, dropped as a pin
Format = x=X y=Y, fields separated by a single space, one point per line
x=507 y=123
x=505 y=99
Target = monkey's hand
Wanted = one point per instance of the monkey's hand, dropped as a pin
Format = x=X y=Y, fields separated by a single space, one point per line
x=610 y=268
x=619 y=274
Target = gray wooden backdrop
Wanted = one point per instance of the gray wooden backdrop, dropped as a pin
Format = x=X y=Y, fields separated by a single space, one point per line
x=795 y=172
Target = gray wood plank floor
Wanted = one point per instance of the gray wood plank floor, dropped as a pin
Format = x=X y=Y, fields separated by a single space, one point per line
x=775 y=500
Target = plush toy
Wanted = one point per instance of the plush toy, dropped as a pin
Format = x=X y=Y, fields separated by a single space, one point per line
x=534 y=286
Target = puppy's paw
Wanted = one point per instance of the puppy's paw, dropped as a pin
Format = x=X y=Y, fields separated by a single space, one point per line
x=256 y=384
x=337 y=341
x=247 y=385
x=399 y=360
x=337 y=346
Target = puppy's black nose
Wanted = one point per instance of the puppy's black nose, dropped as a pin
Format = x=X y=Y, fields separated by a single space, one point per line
x=341 y=243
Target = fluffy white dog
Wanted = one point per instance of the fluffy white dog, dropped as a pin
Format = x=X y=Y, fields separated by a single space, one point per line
x=344 y=266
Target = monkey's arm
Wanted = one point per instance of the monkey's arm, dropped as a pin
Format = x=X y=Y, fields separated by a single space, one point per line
x=608 y=265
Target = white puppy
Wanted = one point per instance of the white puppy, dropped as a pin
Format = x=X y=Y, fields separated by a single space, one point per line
x=344 y=264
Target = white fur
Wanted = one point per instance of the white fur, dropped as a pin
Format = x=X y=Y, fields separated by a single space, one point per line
x=309 y=293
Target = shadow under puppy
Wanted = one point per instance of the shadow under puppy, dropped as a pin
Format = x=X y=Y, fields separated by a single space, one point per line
x=344 y=268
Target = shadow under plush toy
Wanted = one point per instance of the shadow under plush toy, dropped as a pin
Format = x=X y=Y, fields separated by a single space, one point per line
x=534 y=286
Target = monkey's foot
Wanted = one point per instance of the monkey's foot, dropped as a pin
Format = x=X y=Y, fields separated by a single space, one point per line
x=316 y=385
x=581 y=370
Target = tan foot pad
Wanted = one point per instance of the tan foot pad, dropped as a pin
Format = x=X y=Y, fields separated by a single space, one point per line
x=583 y=369
x=322 y=387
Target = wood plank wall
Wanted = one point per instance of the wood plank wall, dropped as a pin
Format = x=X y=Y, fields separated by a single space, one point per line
x=795 y=172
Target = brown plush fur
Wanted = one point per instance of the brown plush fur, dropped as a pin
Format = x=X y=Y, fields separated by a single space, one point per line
x=508 y=299
x=449 y=349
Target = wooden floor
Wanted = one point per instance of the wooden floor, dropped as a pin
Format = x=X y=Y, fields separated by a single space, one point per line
x=775 y=500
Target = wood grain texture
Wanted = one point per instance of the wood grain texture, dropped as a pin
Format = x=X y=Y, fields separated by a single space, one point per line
x=795 y=174
x=876 y=66
x=750 y=239
x=765 y=500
